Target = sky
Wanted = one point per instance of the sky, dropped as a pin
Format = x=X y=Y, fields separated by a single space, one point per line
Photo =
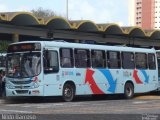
x=98 y=11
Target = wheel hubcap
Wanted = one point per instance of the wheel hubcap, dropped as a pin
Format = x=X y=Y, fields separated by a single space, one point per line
x=129 y=91
x=68 y=92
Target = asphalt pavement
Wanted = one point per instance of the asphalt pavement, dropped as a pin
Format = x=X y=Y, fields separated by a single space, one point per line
x=146 y=107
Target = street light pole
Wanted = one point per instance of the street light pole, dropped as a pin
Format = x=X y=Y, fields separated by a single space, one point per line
x=67 y=9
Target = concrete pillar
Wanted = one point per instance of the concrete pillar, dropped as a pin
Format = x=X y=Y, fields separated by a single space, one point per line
x=15 y=37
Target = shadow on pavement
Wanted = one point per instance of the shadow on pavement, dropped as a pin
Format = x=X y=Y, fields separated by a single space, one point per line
x=20 y=100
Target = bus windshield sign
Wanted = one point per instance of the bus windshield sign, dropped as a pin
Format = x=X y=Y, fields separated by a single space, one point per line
x=24 y=47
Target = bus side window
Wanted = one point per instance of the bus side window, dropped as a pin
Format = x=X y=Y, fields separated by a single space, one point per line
x=141 y=60
x=82 y=58
x=128 y=60
x=151 y=61
x=113 y=59
x=50 y=61
x=98 y=59
x=66 y=56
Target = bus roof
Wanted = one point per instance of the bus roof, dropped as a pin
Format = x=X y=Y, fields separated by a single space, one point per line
x=50 y=44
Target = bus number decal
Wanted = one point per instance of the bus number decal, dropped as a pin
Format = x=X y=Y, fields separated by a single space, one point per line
x=67 y=73
x=89 y=79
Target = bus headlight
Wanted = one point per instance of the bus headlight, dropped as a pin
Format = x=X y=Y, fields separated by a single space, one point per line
x=36 y=85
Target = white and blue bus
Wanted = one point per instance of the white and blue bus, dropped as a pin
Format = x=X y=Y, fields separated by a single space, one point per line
x=50 y=68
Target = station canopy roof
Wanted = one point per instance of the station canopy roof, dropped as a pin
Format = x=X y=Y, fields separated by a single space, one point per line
x=60 y=23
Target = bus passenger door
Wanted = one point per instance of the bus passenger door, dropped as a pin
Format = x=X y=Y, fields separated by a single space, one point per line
x=51 y=70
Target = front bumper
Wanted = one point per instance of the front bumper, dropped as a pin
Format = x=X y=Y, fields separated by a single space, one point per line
x=25 y=92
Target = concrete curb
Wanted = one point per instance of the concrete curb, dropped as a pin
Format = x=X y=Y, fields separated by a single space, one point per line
x=148 y=97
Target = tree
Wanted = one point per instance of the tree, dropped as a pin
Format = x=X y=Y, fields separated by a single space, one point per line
x=3 y=45
x=43 y=13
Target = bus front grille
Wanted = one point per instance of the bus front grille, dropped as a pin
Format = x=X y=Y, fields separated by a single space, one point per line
x=22 y=87
x=21 y=82
x=21 y=91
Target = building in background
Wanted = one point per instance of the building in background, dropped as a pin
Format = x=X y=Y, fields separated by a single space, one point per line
x=144 y=13
x=131 y=12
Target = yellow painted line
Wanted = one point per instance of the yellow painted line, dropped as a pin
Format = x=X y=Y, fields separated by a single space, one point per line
x=148 y=97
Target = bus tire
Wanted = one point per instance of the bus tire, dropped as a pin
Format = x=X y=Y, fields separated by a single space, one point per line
x=128 y=90
x=68 y=92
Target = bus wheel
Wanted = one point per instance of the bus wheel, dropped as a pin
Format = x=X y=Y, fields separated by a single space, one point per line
x=129 y=91
x=68 y=92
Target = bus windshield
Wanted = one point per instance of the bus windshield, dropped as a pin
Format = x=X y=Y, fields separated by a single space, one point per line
x=23 y=64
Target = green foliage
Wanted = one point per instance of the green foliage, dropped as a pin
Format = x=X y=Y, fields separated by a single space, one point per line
x=4 y=45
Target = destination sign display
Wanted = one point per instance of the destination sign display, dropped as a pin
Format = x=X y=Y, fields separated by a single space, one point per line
x=24 y=47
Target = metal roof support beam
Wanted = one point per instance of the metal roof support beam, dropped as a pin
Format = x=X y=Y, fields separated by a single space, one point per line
x=30 y=31
x=76 y=35
x=105 y=38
